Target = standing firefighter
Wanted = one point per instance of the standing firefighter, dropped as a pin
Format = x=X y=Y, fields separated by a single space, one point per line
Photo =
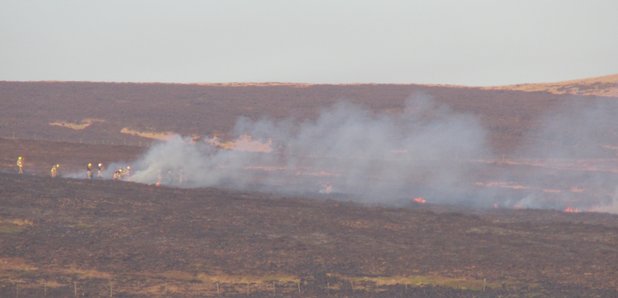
x=20 y=165
x=54 y=170
x=118 y=174
x=89 y=170
x=100 y=170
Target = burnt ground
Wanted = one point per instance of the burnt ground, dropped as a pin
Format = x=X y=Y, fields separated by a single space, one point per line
x=59 y=236
x=39 y=156
x=27 y=108
x=67 y=237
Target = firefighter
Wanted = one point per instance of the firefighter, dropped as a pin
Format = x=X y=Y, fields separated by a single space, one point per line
x=100 y=170
x=54 y=170
x=118 y=174
x=89 y=170
x=20 y=165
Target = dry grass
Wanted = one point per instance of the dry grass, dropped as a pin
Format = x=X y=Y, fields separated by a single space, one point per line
x=19 y=264
x=180 y=282
x=248 y=279
x=17 y=270
x=356 y=224
x=81 y=273
x=15 y=225
x=598 y=86
x=223 y=278
x=85 y=123
x=155 y=135
x=17 y=222
x=15 y=264
x=422 y=280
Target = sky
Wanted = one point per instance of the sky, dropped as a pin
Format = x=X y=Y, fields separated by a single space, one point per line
x=463 y=42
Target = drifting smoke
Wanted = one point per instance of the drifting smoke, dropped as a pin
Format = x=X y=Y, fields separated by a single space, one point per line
x=425 y=151
x=572 y=158
x=346 y=150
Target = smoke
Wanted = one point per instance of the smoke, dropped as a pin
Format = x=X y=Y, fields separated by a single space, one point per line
x=571 y=157
x=347 y=150
x=426 y=150
x=578 y=128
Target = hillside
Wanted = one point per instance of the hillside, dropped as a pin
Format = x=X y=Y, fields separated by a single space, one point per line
x=597 y=86
x=137 y=114
x=77 y=237
x=60 y=236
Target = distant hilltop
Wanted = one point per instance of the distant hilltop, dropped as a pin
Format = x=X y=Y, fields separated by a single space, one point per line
x=606 y=86
x=597 y=86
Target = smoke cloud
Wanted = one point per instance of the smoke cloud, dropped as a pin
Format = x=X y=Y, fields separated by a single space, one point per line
x=427 y=150
x=347 y=149
x=570 y=160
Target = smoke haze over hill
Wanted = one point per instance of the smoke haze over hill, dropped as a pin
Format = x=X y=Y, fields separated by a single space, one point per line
x=426 y=150
x=347 y=149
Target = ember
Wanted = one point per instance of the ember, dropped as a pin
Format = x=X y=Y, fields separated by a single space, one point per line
x=419 y=200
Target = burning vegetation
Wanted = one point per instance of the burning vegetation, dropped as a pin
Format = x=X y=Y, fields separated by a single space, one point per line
x=419 y=200
x=428 y=149
x=223 y=227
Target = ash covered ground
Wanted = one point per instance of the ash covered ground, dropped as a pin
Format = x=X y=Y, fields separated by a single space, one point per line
x=146 y=240
x=60 y=235
x=346 y=217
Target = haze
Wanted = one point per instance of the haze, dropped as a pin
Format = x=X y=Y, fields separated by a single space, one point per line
x=449 y=41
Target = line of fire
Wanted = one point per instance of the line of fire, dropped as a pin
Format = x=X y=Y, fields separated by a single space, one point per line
x=554 y=191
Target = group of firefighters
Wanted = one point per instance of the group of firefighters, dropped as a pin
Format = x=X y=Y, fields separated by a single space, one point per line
x=119 y=174
x=99 y=170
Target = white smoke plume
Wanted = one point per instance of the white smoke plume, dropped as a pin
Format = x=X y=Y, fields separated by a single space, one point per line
x=379 y=158
x=572 y=157
x=427 y=150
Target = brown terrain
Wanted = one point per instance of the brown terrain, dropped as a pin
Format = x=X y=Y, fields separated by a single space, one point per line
x=62 y=237
x=597 y=86
x=135 y=114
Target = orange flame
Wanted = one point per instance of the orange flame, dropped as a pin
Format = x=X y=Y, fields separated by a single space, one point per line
x=571 y=210
x=419 y=200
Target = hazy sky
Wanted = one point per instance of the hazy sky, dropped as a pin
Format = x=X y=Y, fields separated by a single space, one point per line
x=476 y=42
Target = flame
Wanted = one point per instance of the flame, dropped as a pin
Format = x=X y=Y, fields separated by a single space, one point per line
x=571 y=210
x=419 y=200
